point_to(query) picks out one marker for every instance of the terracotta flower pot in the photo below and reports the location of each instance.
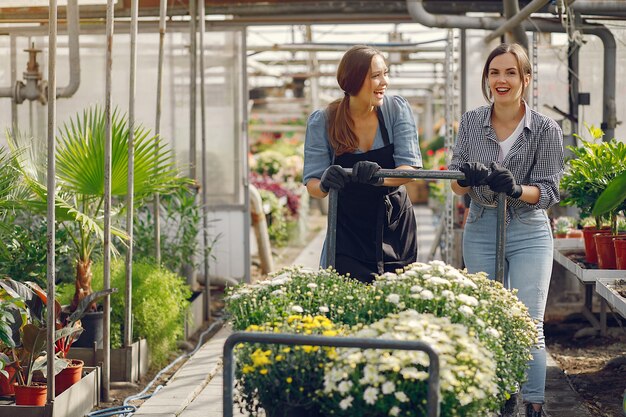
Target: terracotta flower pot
(619, 243)
(34, 394)
(591, 256)
(575, 234)
(68, 376)
(605, 250)
(6, 386)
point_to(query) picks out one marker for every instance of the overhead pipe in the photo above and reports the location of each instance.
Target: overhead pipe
(514, 20)
(420, 15)
(511, 10)
(35, 88)
(609, 112)
(598, 6)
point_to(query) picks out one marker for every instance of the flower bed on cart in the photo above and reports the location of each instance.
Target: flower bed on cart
(480, 330)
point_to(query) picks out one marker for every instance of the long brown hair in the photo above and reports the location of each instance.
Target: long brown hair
(523, 65)
(351, 74)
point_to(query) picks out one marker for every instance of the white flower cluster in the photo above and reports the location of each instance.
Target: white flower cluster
(364, 378)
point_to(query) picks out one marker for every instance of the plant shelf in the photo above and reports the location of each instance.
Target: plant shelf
(564, 247)
(127, 364)
(604, 288)
(76, 401)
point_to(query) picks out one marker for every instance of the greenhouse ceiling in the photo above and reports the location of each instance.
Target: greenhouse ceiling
(257, 11)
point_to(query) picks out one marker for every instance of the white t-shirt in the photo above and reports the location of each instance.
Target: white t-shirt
(507, 144)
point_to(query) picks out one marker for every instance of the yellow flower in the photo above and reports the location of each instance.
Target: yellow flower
(289, 380)
(247, 369)
(286, 349)
(260, 358)
(279, 358)
(263, 371)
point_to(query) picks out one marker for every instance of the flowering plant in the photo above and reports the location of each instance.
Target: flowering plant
(279, 377)
(492, 313)
(379, 382)
(297, 290)
(563, 224)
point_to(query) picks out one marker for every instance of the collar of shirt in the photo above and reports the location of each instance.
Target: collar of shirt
(489, 128)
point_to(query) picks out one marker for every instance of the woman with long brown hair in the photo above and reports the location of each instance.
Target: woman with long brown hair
(365, 130)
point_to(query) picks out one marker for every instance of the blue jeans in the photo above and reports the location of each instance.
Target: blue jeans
(528, 267)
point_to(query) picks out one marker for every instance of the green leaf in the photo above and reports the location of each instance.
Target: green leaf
(612, 196)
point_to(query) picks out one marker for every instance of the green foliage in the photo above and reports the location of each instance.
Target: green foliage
(159, 306)
(588, 174)
(290, 374)
(277, 226)
(181, 222)
(612, 197)
(23, 250)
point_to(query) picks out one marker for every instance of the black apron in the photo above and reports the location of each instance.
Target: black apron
(376, 228)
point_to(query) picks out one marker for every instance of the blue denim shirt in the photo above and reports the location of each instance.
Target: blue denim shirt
(400, 123)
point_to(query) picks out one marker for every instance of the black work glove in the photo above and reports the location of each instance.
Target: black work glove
(334, 177)
(501, 180)
(362, 173)
(475, 174)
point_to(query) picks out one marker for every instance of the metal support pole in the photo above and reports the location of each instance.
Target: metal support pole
(157, 127)
(448, 214)
(106, 336)
(501, 239)
(128, 294)
(432, 396)
(51, 192)
(205, 175)
(192, 89)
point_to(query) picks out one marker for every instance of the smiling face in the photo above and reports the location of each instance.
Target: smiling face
(506, 83)
(375, 84)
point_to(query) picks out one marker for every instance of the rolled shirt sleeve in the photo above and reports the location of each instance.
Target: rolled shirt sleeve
(549, 166)
(318, 154)
(400, 123)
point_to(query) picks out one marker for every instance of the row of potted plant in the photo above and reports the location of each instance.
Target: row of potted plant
(23, 341)
(597, 164)
(481, 331)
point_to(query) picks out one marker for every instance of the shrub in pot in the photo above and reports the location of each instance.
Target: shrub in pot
(613, 199)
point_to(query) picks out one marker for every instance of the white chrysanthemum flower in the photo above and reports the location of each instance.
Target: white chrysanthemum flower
(493, 332)
(297, 309)
(466, 310)
(401, 396)
(370, 395)
(393, 298)
(277, 292)
(346, 403)
(416, 288)
(323, 309)
(388, 387)
(344, 386)
(312, 285)
(427, 295)
(468, 299)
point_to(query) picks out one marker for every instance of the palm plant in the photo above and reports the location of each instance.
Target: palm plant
(80, 181)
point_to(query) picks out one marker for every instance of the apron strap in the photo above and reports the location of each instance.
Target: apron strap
(383, 128)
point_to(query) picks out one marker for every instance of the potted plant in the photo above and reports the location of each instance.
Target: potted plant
(562, 226)
(80, 184)
(7, 366)
(24, 330)
(595, 165)
(613, 198)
